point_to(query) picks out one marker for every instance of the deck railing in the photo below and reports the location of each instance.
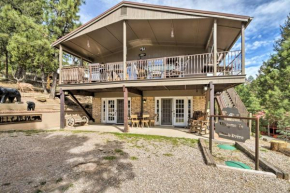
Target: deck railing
(228, 63)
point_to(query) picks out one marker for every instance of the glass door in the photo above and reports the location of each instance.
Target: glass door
(111, 112)
(179, 112)
(166, 112)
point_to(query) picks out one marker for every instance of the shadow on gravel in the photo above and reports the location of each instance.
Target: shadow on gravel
(53, 162)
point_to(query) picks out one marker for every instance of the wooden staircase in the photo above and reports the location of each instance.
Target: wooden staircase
(230, 98)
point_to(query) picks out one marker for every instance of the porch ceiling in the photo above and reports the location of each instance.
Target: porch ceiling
(187, 32)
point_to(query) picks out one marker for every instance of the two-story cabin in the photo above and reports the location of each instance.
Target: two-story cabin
(139, 58)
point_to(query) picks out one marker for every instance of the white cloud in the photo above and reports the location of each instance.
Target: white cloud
(84, 17)
(257, 44)
(252, 71)
(257, 60)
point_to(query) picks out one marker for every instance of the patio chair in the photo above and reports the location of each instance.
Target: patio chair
(135, 121)
(152, 120)
(145, 121)
(194, 126)
(203, 127)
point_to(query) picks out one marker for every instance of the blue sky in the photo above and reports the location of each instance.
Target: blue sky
(260, 34)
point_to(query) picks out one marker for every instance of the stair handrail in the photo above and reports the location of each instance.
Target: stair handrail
(237, 101)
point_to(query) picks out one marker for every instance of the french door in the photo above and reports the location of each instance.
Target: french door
(111, 111)
(173, 110)
(179, 112)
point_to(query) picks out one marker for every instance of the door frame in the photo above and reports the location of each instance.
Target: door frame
(159, 114)
(104, 112)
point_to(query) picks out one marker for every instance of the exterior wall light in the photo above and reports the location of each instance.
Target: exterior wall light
(205, 88)
(144, 101)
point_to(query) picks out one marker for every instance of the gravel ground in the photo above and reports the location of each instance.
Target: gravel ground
(95, 162)
(221, 155)
(276, 158)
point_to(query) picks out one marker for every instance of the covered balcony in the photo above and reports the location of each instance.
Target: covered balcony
(135, 42)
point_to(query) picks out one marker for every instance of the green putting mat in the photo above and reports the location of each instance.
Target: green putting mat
(237, 164)
(226, 147)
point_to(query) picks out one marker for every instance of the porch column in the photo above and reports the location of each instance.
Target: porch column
(126, 127)
(211, 121)
(243, 48)
(61, 93)
(60, 64)
(214, 47)
(124, 50)
(81, 61)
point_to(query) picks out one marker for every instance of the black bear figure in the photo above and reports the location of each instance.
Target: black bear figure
(9, 93)
(30, 106)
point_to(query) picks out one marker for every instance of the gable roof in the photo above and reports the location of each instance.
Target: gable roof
(169, 9)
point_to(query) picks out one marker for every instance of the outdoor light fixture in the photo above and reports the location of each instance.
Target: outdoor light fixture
(88, 44)
(205, 88)
(142, 49)
(144, 101)
(172, 32)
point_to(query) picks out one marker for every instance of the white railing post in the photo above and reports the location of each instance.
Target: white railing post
(60, 63)
(124, 50)
(243, 48)
(214, 47)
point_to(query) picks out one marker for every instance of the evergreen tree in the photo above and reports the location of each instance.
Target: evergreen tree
(273, 88)
(61, 17)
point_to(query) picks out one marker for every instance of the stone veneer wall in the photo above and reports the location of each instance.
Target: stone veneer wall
(135, 105)
(149, 106)
(198, 103)
(97, 108)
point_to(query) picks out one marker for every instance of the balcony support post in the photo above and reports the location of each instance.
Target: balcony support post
(124, 50)
(243, 48)
(215, 47)
(211, 119)
(126, 127)
(62, 116)
(60, 63)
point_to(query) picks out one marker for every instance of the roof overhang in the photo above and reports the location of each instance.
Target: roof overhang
(105, 31)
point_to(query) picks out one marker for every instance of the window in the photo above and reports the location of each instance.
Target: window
(104, 111)
(129, 108)
(157, 110)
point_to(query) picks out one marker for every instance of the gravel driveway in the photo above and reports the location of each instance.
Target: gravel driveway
(97, 162)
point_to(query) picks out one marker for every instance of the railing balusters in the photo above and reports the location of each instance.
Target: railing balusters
(229, 63)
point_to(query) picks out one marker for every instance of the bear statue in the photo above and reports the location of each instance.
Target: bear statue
(30, 106)
(10, 94)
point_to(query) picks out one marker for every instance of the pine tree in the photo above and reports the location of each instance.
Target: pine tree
(61, 17)
(273, 88)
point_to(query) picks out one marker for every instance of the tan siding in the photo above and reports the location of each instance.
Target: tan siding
(153, 52)
(135, 13)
